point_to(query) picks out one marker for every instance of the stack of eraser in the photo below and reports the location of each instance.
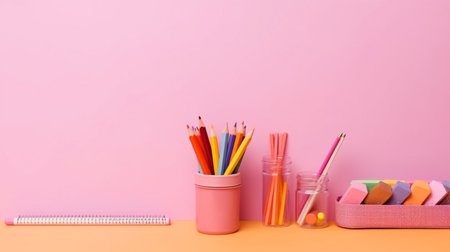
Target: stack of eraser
(397, 192)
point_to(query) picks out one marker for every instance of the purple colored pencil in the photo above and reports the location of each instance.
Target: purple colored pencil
(230, 145)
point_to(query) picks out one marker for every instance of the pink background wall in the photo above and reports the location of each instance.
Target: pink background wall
(95, 95)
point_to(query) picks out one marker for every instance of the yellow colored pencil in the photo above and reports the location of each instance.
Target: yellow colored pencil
(214, 149)
(239, 153)
(283, 203)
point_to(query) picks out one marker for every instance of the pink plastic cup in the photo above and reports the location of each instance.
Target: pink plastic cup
(217, 206)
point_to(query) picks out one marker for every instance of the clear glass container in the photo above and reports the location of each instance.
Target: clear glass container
(276, 201)
(311, 208)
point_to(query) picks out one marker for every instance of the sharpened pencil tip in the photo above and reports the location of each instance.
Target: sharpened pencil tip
(187, 126)
(242, 122)
(235, 124)
(199, 118)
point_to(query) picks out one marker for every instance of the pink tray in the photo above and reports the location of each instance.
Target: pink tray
(392, 216)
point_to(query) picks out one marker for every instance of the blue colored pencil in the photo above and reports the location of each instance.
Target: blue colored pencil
(200, 169)
(231, 139)
(223, 152)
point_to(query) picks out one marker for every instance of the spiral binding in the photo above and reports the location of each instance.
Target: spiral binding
(91, 220)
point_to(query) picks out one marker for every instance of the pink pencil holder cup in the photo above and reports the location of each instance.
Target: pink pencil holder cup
(217, 203)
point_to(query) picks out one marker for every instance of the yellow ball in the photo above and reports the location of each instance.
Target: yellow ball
(320, 216)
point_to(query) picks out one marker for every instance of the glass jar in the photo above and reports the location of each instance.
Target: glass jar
(311, 208)
(276, 181)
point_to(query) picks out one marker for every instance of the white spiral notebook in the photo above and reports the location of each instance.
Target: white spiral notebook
(88, 220)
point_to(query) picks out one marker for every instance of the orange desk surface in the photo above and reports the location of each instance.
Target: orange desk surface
(253, 236)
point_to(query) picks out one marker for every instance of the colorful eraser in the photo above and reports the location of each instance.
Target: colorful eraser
(369, 183)
(392, 182)
(400, 192)
(420, 190)
(355, 193)
(438, 193)
(379, 194)
(9, 222)
(446, 200)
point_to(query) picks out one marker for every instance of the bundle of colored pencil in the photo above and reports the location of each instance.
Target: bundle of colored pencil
(308, 202)
(213, 161)
(275, 203)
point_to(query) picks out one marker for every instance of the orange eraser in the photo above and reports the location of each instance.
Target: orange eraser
(392, 182)
(420, 190)
(380, 193)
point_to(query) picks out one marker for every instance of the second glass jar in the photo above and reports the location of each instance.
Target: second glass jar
(276, 181)
(311, 207)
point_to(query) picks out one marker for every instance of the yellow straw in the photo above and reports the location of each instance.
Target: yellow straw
(283, 202)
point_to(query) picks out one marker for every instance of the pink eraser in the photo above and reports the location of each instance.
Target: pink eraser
(9, 222)
(438, 193)
(355, 194)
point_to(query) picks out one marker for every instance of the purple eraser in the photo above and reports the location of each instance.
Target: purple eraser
(446, 200)
(400, 192)
(355, 194)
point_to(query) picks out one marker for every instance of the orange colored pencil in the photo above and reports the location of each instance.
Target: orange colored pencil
(238, 140)
(198, 151)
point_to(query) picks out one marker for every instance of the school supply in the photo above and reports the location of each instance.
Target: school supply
(369, 183)
(214, 150)
(240, 161)
(238, 139)
(239, 153)
(400, 192)
(217, 203)
(397, 213)
(446, 200)
(223, 151)
(196, 144)
(205, 144)
(211, 159)
(438, 193)
(322, 174)
(88, 220)
(420, 191)
(230, 145)
(275, 200)
(307, 187)
(355, 194)
(379, 194)
(392, 216)
(392, 182)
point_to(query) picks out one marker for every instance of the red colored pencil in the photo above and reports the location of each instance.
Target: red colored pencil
(198, 151)
(205, 143)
